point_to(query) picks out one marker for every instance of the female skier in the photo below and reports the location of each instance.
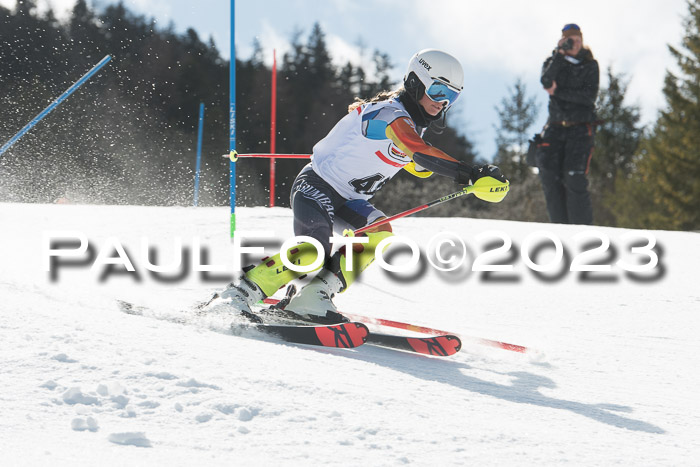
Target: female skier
(365, 149)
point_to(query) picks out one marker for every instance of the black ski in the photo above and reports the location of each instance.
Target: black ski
(439, 346)
(341, 335)
(331, 331)
(344, 335)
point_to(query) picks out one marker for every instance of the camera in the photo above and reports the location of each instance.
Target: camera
(567, 45)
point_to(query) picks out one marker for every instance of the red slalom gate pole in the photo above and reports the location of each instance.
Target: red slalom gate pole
(273, 126)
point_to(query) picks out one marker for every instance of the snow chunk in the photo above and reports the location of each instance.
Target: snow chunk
(162, 375)
(226, 409)
(61, 357)
(74, 396)
(50, 384)
(110, 389)
(149, 404)
(79, 424)
(130, 439)
(246, 415)
(119, 401)
(203, 417)
(129, 412)
(193, 383)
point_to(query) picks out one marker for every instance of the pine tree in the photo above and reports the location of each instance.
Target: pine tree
(84, 33)
(665, 190)
(517, 113)
(382, 81)
(616, 142)
(129, 135)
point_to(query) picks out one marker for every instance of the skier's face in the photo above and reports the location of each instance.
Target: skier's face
(431, 107)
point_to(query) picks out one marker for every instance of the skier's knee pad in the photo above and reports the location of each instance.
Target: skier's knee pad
(272, 274)
(363, 255)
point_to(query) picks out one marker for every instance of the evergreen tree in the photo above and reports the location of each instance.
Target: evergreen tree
(129, 134)
(517, 113)
(664, 192)
(616, 142)
(84, 33)
(26, 7)
(382, 81)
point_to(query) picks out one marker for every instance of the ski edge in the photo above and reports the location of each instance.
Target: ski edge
(444, 345)
(342, 335)
(425, 330)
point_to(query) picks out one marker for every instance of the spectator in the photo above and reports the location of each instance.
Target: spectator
(570, 76)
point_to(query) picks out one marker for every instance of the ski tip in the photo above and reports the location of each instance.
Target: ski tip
(503, 345)
(363, 330)
(457, 343)
(439, 346)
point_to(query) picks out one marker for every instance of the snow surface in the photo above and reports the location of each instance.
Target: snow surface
(611, 376)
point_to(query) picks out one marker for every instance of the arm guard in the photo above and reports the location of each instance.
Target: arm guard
(403, 134)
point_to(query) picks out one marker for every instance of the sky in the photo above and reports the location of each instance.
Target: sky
(497, 41)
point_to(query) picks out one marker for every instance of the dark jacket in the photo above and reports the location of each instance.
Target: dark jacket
(577, 87)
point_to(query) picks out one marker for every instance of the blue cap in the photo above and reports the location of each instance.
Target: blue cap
(571, 29)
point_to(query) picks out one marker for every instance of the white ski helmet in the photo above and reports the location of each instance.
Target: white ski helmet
(440, 74)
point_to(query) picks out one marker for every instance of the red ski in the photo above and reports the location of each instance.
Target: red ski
(438, 346)
(342, 335)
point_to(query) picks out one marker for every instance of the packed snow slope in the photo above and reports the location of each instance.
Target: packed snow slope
(611, 376)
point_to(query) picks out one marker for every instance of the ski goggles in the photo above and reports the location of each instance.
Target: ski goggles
(570, 27)
(442, 92)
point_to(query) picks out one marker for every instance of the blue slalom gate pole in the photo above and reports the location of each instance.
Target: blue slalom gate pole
(199, 154)
(233, 156)
(54, 104)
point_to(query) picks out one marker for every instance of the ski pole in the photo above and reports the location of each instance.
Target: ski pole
(55, 103)
(486, 188)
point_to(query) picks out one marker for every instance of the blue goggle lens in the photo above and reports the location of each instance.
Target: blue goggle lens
(442, 92)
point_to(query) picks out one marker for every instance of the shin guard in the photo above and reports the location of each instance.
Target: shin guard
(272, 274)
(362, 257)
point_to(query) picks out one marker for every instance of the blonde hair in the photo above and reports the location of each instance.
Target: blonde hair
(381, 96)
